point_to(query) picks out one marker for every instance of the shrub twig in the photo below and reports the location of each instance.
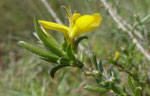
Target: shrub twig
(122, 24)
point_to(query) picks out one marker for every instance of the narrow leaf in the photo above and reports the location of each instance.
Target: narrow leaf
(94, 61)
(95, 89)
(64, 46)
(111, 71)
(37, 37)
(77, 41)
(115, 88)
(70, 53)
(49, 42)
(132, 46)
(38, 51)
(145, 18)
(63, 60)
(56, 68)
(130, 83)
(100, 67)
(48, 60)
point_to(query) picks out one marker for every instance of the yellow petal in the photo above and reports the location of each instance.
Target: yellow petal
(54, 26)
(75, 16)
(85, 23)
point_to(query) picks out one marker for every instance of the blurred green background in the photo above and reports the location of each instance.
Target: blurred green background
(24, 74)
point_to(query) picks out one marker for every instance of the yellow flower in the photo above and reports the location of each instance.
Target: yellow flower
(78, 24)
(117, 55)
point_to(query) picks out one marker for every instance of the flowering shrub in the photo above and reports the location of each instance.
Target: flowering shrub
(67, 54)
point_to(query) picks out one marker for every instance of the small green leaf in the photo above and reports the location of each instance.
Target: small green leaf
(132, 47)
(70, 53)
(95, 89)
(56, 68)
(78, 40)
(138, 91)
(44, 55)
(130, 83)
(94, 61)
(63, 60)
(64, 46)
(111, 71)
(49, 42)
(145, 18)
(100, 67)
(48, 60)
(115, 89)
(97, 81)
